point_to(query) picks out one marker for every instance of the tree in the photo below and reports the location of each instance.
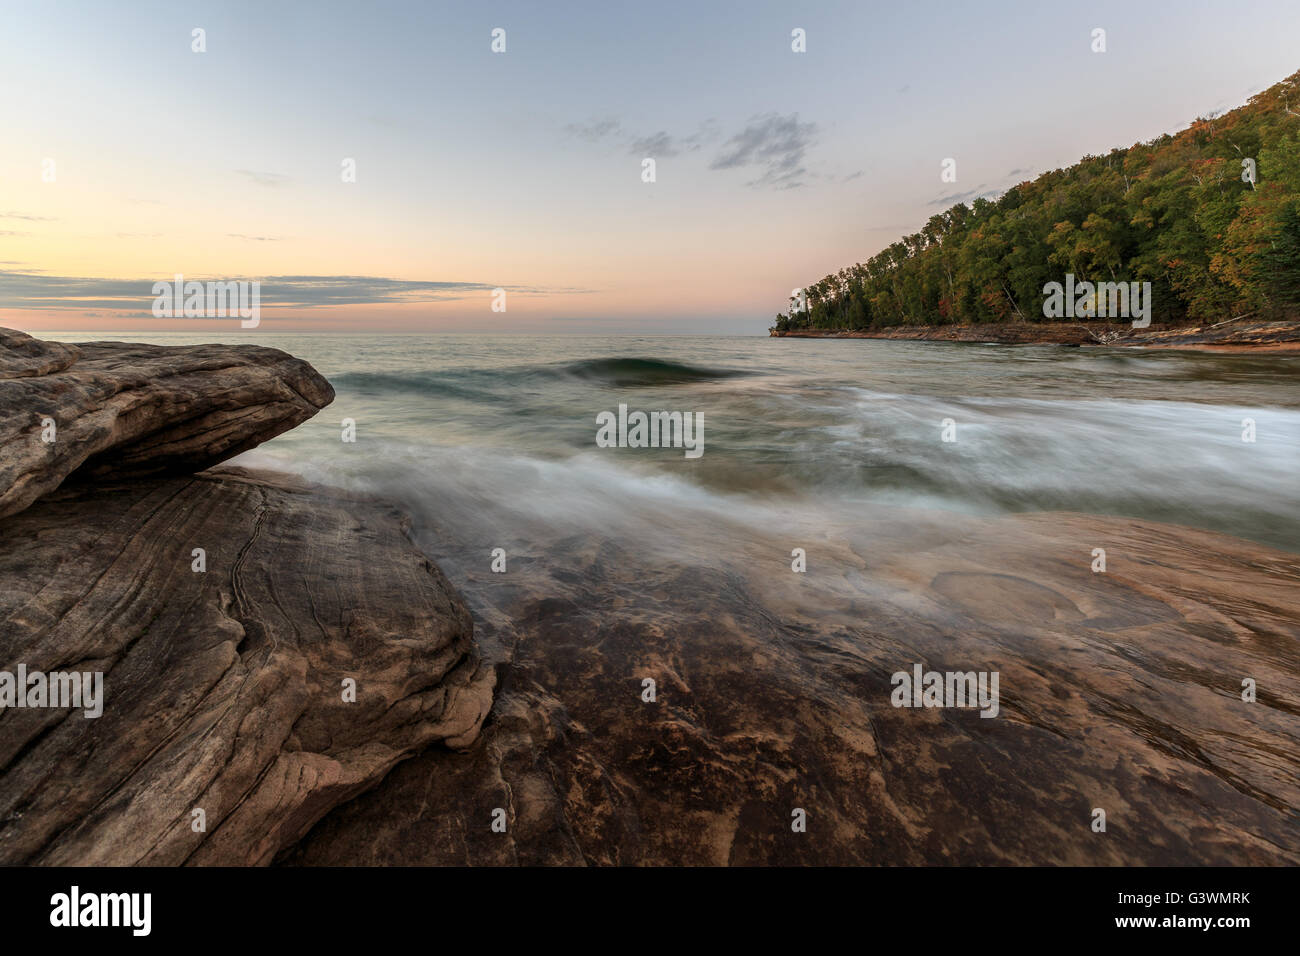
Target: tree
(1177, 211)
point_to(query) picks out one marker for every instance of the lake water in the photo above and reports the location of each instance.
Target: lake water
(496, 433)
(628, 565)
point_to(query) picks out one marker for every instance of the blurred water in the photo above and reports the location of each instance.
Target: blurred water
(498, 431)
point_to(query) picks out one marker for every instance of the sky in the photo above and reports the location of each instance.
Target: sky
(127, 157)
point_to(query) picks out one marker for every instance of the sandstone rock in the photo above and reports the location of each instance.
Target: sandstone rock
(1228, 336)
(1120, 691)
(21, 355)
(223, 689)
(123, 409)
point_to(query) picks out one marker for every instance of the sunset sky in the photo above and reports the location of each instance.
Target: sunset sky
(523, 169)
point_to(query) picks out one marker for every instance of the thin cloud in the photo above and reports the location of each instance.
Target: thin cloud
(773, 144)
(664, 144)
(594, 131)
(658, 144)
(29, 290)
(952, 199)
(25, 218)
(273, 180)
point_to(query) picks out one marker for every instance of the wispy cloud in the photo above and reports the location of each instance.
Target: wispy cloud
(659, 144)
(771, 145)
(273, 180)
(26, 218)
(979, 192)
(664, 144)
(774, 144)
(29, 290)
(595, 130)
(238, 235)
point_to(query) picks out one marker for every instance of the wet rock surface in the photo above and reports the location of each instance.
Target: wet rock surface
(267, 649)
(223, 689)
(1118, 690)
(1226, 336)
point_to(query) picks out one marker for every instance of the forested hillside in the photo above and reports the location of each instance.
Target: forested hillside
(1180, 212)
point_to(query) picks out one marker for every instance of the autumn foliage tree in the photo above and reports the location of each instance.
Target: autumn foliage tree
(1209, 216)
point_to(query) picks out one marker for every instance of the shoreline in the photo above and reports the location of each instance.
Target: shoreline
(1231, 337)
(619, 773)
(360, 705)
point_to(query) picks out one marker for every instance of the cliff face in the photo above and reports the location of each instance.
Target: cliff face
(247, 689)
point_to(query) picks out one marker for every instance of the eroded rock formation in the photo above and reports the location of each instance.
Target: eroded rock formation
(1120, 691)
(224, 689)
(268, 649)
(1226, 336)
(121, 409)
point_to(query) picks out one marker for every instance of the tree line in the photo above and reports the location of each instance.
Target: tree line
(1210, 216)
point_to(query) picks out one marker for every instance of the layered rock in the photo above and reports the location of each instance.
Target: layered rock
(267, 649)
(1120, 690)
(119, 409)
(1224, 336)
(224, 689)
(22, 356)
